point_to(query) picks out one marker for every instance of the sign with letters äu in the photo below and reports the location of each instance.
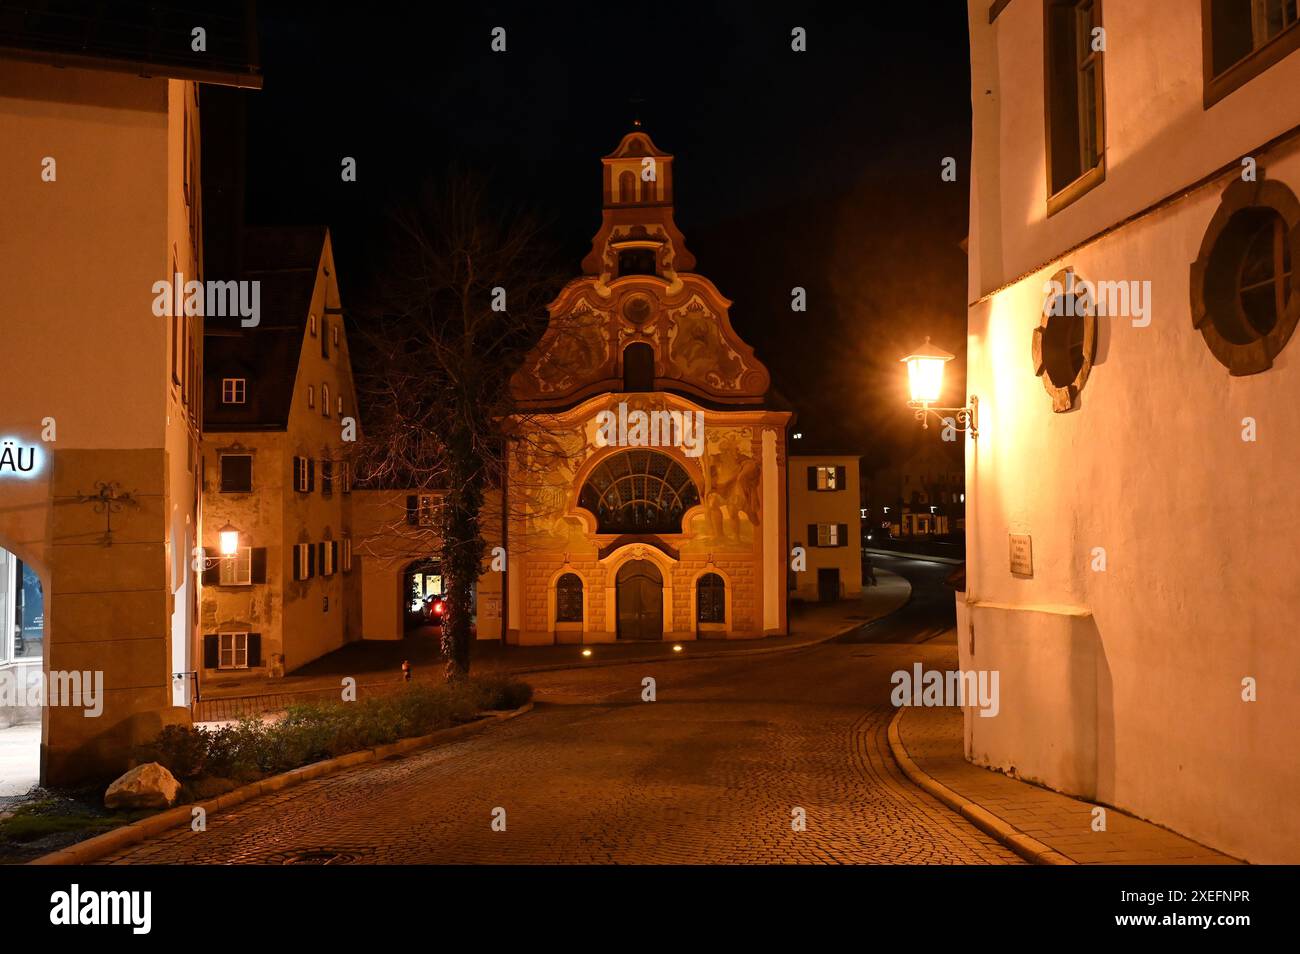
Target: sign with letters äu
(19, 459)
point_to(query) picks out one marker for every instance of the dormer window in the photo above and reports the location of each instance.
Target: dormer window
(636, 261)
(233, 390)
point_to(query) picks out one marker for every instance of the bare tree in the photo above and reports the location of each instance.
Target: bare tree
(463, 299)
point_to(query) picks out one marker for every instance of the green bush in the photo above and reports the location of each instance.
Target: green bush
(310, 732)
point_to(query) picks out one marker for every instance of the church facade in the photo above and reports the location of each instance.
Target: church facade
(646, 495)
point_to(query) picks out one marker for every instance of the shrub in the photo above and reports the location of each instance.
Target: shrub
(310, 732)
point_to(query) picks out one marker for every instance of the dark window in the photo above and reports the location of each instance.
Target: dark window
(236, 473)
(638, 367)
(711, 599)
(1242, 38)
(636, 261)
(324, 339)
(568, 599)
(627, 187)
(1075, 127)
(639, 492)
(1244, 282)
(327, 477)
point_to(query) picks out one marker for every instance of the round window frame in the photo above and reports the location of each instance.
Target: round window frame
(1065, 397)
(1254, 356)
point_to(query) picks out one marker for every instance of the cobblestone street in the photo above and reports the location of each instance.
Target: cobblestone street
(709, 773)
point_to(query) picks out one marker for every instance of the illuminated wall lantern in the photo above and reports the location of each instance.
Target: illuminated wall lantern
(229, 537)
(925, 381)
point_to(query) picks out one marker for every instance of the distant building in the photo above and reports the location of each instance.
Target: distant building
(279, 407)
(646, 495)
(100, 396)
(825, 520)
(925, 496)
(1134, 289)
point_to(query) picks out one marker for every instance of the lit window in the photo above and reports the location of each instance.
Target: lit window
(234, 651)
(233, 390)
(238, 569)
(828, 478)
(828, 535)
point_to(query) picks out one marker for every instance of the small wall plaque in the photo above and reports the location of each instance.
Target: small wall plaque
(1022, 554)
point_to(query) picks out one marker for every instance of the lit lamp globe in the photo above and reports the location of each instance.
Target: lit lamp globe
(229, 537)
(925, 372)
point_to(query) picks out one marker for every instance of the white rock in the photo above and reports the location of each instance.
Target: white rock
(145, 786)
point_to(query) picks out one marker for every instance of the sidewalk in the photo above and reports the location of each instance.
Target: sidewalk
(1040, 824)
(376, 664)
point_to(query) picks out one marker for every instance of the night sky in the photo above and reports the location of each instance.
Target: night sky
(818, 169)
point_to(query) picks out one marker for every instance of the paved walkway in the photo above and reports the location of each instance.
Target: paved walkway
(20, 759)
(376, 664)
(714, 771)
(933, 738)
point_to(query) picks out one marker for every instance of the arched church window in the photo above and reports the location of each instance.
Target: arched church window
(638, 367)
(711, 599)
(639, 492)
(568, 599)
(627, 187)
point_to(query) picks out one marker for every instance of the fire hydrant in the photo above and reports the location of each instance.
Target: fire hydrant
(406, 669)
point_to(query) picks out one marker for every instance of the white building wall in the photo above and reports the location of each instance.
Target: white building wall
(1124, 685)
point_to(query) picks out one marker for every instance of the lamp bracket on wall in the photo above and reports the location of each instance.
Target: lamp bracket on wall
(964, 419)
(108, 500)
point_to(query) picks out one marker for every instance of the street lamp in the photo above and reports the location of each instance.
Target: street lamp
(228, 546)
(925, 379)
(229, 537)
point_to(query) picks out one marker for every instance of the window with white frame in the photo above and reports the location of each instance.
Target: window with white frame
(312, 325)
(826, 479)
(828, 535)
(233, 651)
(237, 570)
(325, 400)
(311, 395)
(233, 390)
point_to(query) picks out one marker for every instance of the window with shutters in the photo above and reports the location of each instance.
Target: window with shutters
(304, 561)
(237, 570)
(234, 651)
(236, 473)
(828, 535)
(329, 555)
(711, 599)
(304, 475)
(568, 599)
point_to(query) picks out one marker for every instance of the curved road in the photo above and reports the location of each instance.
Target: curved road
(714, 771)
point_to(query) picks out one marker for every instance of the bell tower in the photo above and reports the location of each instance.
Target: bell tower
(637, 234)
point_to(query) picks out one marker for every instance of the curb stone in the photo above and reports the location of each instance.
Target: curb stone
(92, 849)
(1027, 847)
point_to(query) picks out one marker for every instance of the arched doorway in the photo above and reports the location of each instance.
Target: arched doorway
(421, 584)
(640, 597)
